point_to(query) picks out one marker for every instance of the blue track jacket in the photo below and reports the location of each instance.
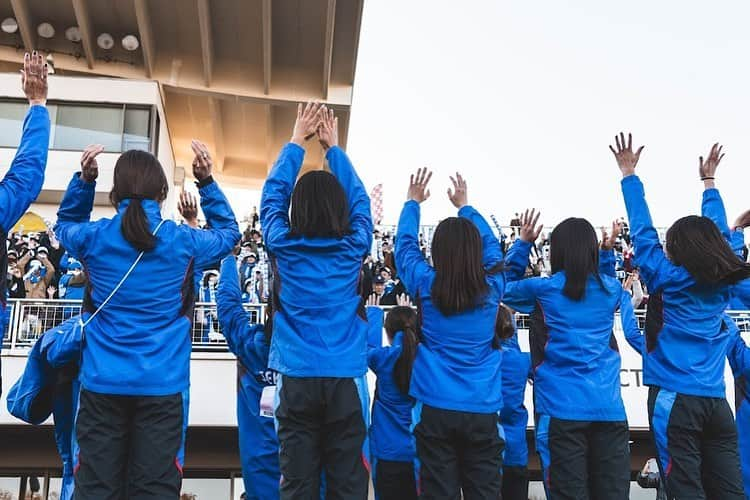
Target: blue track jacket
(576, 356)
(686, 341)
(314, 336)
(390, 435)
(20, 187)
(514, 416)
(739, 360)
(259, 447)
(139, 344)
(456, 366)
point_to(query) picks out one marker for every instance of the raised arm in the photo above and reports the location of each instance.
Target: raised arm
(24, 179)
(410, 262)
(211, 245)
(633, 334)
(374, 324)
(517, 258)
(648, 250)
(607, 260)
(360, 215)
(712, 206)
(522, 295)
(73, 228)
(233, 318)
(738, 354)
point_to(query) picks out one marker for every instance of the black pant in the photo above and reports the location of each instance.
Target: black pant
(395, 480)
(458, 451)
(128, 447)
(515, 483)
(584, 460)
(696, 440)
(321, 426)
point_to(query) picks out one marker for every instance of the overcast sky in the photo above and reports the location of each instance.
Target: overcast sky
(524, 97)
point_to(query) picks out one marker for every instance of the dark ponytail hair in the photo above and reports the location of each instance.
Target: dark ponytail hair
(574, 249)
(319, 207)
(403, 319)
(460, 278)
(138, 176)
(504, 325)
(696, 244)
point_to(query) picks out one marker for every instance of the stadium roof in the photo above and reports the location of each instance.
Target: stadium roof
(230, 71)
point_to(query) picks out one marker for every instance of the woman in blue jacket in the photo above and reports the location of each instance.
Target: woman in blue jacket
(135, 368)
(581, 426)
(456, 380)
(514, 415)
(689, 284)
(23, 181)
(259, 447)
(319, 346)
(392, 447)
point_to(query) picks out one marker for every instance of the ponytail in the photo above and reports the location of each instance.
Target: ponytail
(135, 227)
(403, 319)
(504, 326)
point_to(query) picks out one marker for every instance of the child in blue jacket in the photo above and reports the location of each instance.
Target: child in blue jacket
(135, 372)
(23, 181)
(256, 384)
(690, 286)
(392, 446)
(514, 416)
(318, 346)
(456, 380)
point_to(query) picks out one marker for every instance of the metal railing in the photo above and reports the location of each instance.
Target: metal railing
(28, 319)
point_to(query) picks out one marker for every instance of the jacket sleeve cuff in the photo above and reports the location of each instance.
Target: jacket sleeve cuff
(205, 182)
(82, 184)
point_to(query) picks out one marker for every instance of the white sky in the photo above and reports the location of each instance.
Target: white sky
(524, 97)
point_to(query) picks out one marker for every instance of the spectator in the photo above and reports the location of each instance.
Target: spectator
(254, 218)
(515, 223)
(40, 275)
(248, 266)
(378, 290)
(250, 295)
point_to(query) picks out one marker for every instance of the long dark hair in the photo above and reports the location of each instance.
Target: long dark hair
(460, 279)
(696, 244)
(138, 176)
(403, 319)
(574, 249)
(504, 325)
(319, 207)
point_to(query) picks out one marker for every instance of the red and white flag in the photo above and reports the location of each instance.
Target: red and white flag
(376, 204)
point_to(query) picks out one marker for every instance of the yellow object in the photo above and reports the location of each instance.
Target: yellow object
(30, 223)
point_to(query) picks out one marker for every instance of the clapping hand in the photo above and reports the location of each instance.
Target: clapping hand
(307, 123)
(328, 129)
(202, 163)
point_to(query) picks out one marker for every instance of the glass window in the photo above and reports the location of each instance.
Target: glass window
(77, 126)
(137, 125)
(205, 489)
(11, 122)
(10, 487)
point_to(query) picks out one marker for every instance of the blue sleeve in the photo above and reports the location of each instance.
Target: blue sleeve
(741, 295)
(712, 206)
(212, 245)
(360, 216)
(738, 353)
(492, 252)
(73, 228)
(517, 260)
(277, 194)
(233, 318)
(522, 295)
(633, 334)
(737, 242)
(23, 182)
(648, 252)
(374, 327)
(607, 263)
(411, 264)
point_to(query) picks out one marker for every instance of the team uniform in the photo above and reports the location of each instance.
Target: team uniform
(323, 403)
(456, 379)
(686, 342)
(136, 355)
(392, 447)
(581, 425)
(20, 187)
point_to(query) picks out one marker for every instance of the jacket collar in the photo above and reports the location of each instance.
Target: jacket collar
(150, 207)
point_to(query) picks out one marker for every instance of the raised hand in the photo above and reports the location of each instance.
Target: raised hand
(34, 78)
(403, 300)
(308, 119)
(89, 165)
(372, 300)
(202, 163)
(530, 231)
(328, 129)
(707, 168)
(743, 220)
(188, 208)
(458, 195)
(626, 159)
(609, 239)
(418, 186)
